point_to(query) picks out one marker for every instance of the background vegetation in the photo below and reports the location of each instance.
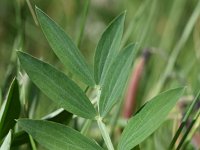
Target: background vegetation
(168, 29)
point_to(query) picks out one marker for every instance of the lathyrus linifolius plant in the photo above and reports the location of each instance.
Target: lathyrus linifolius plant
(111, 71)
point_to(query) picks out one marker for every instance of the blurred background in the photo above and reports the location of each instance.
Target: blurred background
(168, 30)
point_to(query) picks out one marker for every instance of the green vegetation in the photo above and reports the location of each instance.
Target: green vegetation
(88, 75)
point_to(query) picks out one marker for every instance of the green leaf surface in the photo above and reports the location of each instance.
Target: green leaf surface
(116, 79)
(64, 48)
(57, 86)
(54, 136)
(10, 110)
(145, 122)
(7, 142)
(108, 48)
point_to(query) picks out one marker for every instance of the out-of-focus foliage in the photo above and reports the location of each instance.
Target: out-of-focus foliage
(156, 25)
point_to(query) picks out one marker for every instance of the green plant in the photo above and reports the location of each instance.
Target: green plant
(111, 71)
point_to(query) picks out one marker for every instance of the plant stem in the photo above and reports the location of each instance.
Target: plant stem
(32, 12)
(105, 134)
(184, 121)
(169, 31)
(134, 22)
(82, 24)
(86, 126)
(186, 134)
(33, 145)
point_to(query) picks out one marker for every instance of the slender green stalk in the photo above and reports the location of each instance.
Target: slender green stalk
(115, 118)
(83, 21)
(196, 125)
(193, 130)
(33, 145)
(169, 31)
(32, 12)
(176, 135)
(1, 100)
(185, 135)
(133, 23)
(148, 23)
(86, 126)
(183, 122)
(172, 59)
(189, 111)
(105, 134)
(188, 130)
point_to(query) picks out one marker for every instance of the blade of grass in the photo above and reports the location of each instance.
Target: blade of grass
(32, 12)
(83, 22)
(184, 120)
(145, 31)
(188, 130)
(177, 49)
(134, 21)
(193, 131)
(170, 29)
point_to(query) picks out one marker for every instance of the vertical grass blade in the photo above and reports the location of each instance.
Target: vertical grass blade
(108, 48)
(10, 109)
(183, 122)
(64, 48)
(148, 119)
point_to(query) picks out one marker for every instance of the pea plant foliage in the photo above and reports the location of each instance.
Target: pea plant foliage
(111, 70)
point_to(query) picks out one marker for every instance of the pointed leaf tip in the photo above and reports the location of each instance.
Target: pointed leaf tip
(115, 79)
(64, 48)
(108, 48)
(59, 136)
(57, 86)
(148, 119)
